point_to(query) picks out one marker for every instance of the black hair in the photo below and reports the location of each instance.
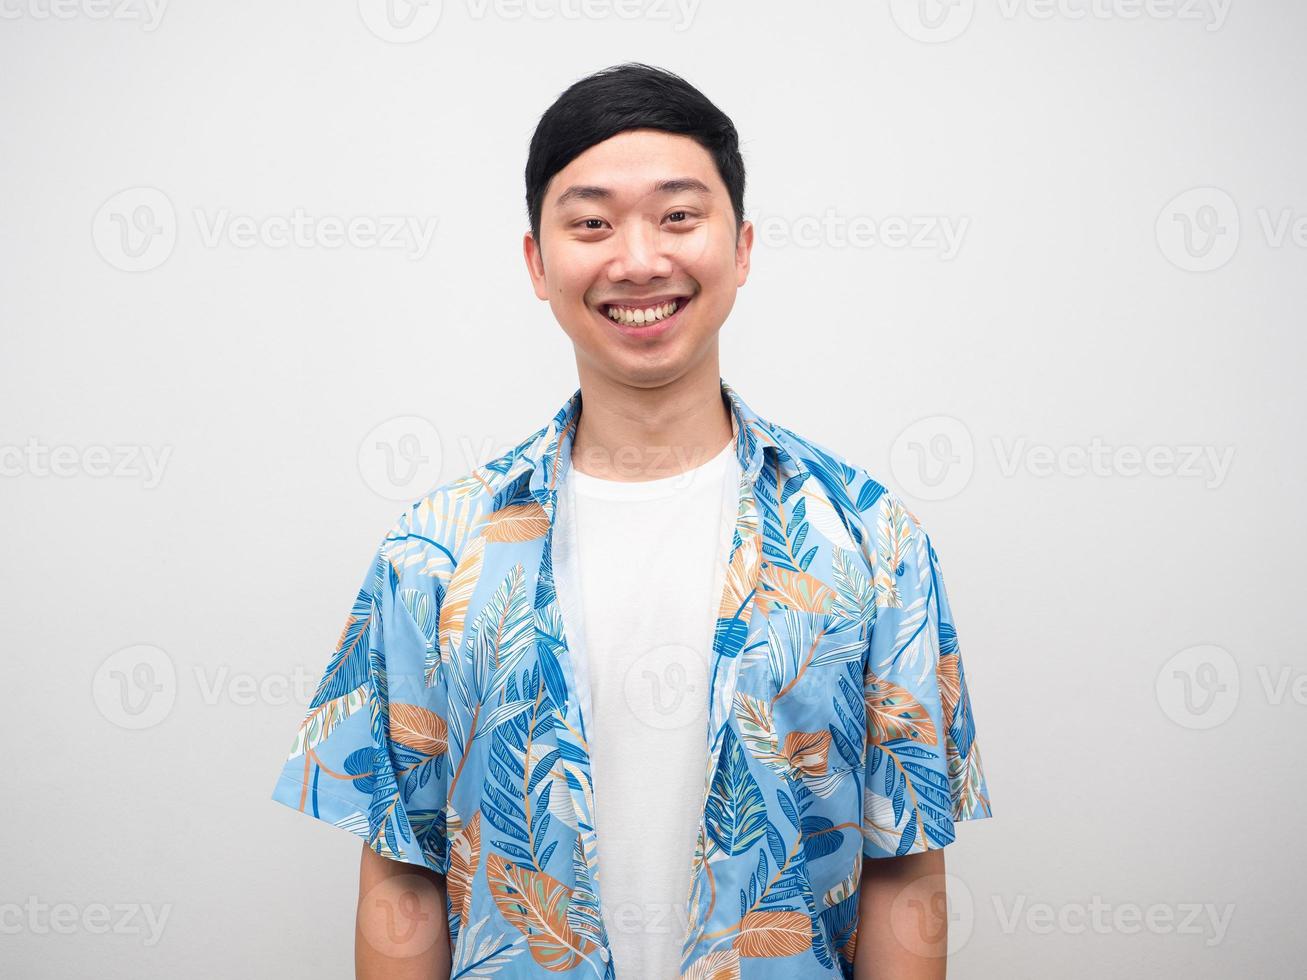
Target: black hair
(620, 98)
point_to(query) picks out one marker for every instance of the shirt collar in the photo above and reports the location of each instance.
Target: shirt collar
(548, 455)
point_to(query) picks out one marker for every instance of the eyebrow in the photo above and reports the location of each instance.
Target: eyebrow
(592, 192)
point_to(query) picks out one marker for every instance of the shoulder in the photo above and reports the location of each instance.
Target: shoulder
(850, 486)
(881, 515)
(425, 541)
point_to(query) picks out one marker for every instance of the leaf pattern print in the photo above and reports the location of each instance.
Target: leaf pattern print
(464, 858)
(796, 589)
(893, 713)
(773, 933)
(736, 814)
(807, 752)
(536, 905)
(447, 728)
(453, 613)
(893, 536)
(419, 729)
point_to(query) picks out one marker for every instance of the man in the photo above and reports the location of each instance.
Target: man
(668, 689)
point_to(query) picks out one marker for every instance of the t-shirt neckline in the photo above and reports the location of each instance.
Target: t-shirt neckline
(588, 485)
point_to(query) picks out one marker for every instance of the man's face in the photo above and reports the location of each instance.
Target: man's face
(640, 222)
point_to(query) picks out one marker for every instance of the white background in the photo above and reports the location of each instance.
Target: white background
(1073, 312)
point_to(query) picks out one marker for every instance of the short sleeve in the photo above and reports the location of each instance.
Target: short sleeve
(923, 770)
(371, 755)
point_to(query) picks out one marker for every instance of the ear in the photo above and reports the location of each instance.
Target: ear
(535, 265)
(743, 253)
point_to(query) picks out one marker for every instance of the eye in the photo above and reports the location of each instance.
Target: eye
(685, 216)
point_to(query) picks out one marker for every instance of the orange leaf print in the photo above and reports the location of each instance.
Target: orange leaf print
(419, 729)
(774, 933)
(796, 589)
(967, 780)
(850, 947)
(536, 905)
(462, 586)
(807, 751)
(464, 856)
(741, 576)
(518, 522)
(950, 685)
(892, 712)
(720, 964)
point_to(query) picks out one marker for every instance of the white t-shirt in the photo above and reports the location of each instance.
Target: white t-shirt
(639, 569)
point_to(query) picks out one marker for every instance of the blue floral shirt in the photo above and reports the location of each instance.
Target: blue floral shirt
(447, 729)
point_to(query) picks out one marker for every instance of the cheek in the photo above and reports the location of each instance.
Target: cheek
(716, 265)
(569, 285)
(564, 293)
(562, 269)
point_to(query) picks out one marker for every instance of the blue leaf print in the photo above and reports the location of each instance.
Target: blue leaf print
(736, 815)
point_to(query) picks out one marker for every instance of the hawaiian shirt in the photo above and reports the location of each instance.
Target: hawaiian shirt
(447, 730)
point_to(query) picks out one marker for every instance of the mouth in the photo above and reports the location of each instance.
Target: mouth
(645, 319)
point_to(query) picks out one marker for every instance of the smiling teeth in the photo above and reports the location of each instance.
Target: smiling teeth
(638, 317)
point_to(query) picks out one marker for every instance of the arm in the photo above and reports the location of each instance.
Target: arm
(902, 918)
(401, 932)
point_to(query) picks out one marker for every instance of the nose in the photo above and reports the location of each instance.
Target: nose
(642, 253)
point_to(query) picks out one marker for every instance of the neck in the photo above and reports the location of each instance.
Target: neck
(630, 433)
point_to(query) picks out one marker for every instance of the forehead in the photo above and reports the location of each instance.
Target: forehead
(630, 166)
